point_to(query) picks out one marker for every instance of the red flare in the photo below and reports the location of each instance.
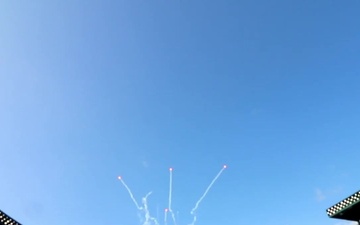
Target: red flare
(166, 210)
(225, 166)
(171, 169)
(119, 177)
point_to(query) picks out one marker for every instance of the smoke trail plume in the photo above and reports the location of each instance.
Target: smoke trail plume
(130, 193)
(204, 195)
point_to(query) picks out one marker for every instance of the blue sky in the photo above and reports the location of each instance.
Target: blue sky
(90, 90)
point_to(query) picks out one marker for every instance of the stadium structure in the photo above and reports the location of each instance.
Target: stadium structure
(347, 209)
(7, 220)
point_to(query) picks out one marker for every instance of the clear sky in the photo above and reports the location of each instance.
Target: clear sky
(90, 90)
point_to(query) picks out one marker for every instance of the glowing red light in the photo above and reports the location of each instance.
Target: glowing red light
(119, 177)
(171, 169)
(166, 210)
(225, 166)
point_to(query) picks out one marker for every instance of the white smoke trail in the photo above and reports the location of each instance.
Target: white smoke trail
(165, 216)
(148, 217)
(130, 193)
(170, 197)
(194, 220)
(149, 220)
(204, 195)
